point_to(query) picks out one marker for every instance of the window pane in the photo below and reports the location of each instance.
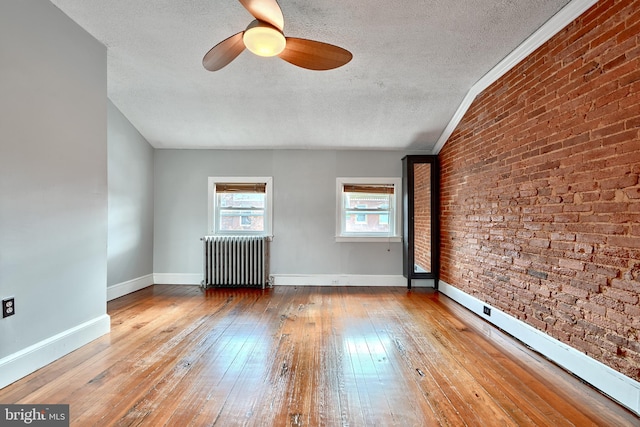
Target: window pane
(370, 222)
(367, 201)
(241, 211)
(367, 213)
(241, 220)
(241, 200)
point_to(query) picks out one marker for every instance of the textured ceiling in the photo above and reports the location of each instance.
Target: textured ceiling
(413, 62)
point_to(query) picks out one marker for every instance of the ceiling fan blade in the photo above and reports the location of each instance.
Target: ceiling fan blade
(224, 52)
(265, 10)
(314, 55)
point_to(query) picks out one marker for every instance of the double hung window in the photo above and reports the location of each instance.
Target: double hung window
(368, 209)
(240, 206)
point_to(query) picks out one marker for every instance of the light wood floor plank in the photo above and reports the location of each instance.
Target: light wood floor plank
(309, 356)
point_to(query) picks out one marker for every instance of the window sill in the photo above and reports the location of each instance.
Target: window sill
(365, 239)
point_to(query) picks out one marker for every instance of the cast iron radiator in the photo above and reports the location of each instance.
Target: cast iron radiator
(234, 261)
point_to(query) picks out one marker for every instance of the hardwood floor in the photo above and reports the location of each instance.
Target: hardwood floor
(308, 356)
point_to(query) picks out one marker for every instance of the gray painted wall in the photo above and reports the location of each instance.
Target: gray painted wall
(53, 173)
(304, 213)
(130, 165)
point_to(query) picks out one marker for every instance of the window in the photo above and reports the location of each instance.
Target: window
(240, 205)
(368, 209)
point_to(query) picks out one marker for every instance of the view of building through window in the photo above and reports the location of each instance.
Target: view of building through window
(241, 211)
(367, 212)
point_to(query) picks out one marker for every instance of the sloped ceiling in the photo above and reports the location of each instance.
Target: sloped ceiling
(413, 63)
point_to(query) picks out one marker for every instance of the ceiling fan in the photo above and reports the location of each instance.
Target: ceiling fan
(264, 37)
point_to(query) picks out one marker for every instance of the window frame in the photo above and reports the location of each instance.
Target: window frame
(213, 209)
(394, 212)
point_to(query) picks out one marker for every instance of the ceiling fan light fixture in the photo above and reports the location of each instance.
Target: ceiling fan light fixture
(263, 39)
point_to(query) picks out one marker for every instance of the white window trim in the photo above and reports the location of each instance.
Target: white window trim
(268, 221)
(397, 232)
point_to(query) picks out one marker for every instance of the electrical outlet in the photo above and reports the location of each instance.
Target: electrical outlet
(8, 307)
(486, 310)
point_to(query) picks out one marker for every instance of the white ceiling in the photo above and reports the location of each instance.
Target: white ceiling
(413, 63)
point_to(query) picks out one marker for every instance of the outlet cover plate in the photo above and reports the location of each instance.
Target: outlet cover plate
(8, 307)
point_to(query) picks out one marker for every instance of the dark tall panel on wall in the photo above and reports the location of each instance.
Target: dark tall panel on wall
(420, 204)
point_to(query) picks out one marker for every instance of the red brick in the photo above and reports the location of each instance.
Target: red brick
(623, 241)
(631, 159)
(571, 264)
(627, 285)
(541, 181)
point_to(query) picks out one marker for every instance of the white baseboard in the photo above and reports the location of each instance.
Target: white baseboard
(621, 388)
(34, 357)
(177, 278)
(345, 280)
(124, 288)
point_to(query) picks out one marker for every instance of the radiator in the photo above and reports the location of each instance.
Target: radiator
(232, 261)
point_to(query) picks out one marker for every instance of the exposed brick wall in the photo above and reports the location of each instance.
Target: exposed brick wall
(540, 190)
(422, 214)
